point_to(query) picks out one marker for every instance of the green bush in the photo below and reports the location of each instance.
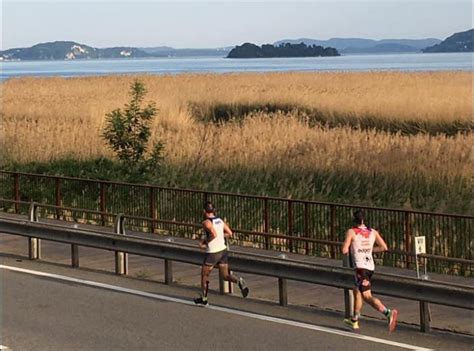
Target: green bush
(127, 132)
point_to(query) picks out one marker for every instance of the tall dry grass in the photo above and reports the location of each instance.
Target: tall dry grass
(279, 155)
(272, 153)
(51, 117)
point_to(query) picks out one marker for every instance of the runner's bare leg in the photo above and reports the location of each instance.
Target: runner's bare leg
(224, 270)
(373, 301)
(357, 302)
(206, 270)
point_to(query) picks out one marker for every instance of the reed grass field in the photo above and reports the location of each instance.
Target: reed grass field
(384, 139)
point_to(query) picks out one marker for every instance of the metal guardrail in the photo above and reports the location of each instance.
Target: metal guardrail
(195, 229)
(424, 291)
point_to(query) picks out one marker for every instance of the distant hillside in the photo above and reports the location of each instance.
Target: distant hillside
(458, 42)
(385, 48)
(172, 52)
(249, 50)
(69, 50)
(369, 46)
(50, 51)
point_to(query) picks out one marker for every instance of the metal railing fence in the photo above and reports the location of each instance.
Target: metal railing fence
(304, 227)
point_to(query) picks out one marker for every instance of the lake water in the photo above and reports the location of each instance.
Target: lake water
(398, 62)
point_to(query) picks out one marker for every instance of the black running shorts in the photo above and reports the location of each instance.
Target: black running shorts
(362, 279)
(214, 258)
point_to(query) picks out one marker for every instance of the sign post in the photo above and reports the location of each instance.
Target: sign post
(425, 314)
(420, 248)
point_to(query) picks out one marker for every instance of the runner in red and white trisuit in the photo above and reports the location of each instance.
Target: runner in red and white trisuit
(359, 245)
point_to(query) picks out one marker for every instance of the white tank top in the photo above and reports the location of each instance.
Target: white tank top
(218, 243)
(361, 248)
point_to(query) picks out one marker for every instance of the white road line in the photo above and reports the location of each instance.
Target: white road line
(3, 347)
(216, 308)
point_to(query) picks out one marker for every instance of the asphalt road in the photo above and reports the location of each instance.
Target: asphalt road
(67, 310)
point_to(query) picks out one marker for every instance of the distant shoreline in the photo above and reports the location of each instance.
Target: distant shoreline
(125, 59)
(208, 65)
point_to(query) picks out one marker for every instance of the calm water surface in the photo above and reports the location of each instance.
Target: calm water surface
(398, 62)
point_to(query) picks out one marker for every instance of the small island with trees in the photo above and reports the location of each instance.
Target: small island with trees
(249, 50)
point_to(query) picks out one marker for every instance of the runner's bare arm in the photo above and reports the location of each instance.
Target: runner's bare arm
(347, 242)
(210, 229)
(380, 245)
(227, 231)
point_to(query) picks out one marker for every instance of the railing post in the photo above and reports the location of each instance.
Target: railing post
(283, 291)
(333, 230)
(266, 226)
(121, 258)
(58, 197)
(102, 204)
(290, 224)
(407, 238)
(16, 191)
(152, 213)
(306, 226)
(34, 244)
(348, 294)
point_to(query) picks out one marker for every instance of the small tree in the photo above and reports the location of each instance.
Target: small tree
(127, 132)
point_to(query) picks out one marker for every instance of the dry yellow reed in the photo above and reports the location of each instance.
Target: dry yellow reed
(45, 119)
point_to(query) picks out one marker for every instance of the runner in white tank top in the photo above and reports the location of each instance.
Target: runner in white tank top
(218, 243)
(359, 242)
(216, 232)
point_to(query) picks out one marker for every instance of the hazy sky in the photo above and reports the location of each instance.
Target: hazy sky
(224, 22)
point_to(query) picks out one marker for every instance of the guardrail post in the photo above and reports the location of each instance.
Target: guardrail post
(425, 317)
(230, 285)
(225, 287)
(168, 272)
(425, 313)
(121, 258)
(34, 244)
(168, 267)
(74, 256)
(283, 291)
(348, 294)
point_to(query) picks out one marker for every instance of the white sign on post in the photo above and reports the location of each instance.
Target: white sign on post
(420, 245)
